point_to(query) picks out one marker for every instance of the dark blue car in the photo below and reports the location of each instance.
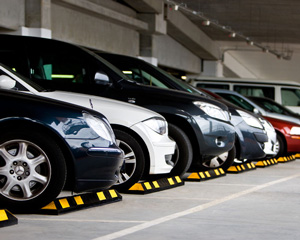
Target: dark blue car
(46, 145)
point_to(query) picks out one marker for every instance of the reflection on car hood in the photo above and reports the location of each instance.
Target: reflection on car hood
(117, 112)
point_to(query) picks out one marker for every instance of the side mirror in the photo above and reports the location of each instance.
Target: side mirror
(101, 79)
(6, 82)
(256, 111)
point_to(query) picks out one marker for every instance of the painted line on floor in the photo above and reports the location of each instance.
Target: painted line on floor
(199, 208)
(79, 220)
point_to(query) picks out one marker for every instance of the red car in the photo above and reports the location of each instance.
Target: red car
(288, 135)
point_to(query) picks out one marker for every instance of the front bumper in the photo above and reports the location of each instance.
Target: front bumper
(95, 168)
(252, 141)
(160, 148)
(217, 136)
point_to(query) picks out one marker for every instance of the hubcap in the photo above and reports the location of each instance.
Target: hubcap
(25, 170)
(217, 161)
(129, 165)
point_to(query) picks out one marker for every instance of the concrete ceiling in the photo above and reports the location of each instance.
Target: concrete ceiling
(270, 24)
(274, 24)
(273, 21)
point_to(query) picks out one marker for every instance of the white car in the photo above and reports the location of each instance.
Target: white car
(141, 133)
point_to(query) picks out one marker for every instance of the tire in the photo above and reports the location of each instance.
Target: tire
(279, 147)
(32, 169)
(224, 161)
(183, 156)
(134, 163)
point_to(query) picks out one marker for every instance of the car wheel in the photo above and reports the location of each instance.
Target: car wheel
(279, 147)
(134, 160)
(32, 169)
(183, 155)
(223, 161)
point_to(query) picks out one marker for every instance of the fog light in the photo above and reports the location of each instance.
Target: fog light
(168, 159)
(219, 142)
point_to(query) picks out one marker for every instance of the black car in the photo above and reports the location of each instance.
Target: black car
(250, 139)
(201, 127)
(46, 145)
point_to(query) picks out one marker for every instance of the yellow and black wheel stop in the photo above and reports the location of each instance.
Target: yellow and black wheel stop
(206, 175)
(266, 163)
(297, 155)
(241, 168)
(7, 219)
(155, 186)
(286, 159)
(73, 203)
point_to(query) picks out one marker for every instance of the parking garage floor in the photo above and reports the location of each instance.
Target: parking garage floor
(257, 204)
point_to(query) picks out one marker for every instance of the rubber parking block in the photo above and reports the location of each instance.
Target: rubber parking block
(206, 175)
(7, 219)
(241, 168)
(266, 163)
(286, 159)
(155, 186)
(73, 203)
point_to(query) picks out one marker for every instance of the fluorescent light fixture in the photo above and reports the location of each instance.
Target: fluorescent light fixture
(62, 76)
(127, 72)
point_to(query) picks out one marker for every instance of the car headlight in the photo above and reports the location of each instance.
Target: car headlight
(100, 126)
(213, 110)
(266, 124)
(295, 131)
(157, 124)
(250, 120)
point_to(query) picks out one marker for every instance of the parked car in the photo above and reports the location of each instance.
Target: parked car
(287, 131)
(41, 150)
(200, 127)
(286, 93)
(257, 132)
(142, 134)
(250, 134)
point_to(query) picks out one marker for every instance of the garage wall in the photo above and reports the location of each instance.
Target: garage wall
(87, 30)
(172, 54)
(12, 14)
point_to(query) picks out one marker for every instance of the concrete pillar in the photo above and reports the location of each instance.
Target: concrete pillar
(212, 68)
(37, 18)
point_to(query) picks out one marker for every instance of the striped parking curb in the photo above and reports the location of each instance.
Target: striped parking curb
(7, 219)
(202, 176)
(266, 163)
(286, 159)
(73, 203)
(155, 186)
(241, 168)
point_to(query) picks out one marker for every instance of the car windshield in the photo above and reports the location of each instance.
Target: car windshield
(26, 80)
(271, 106)
(237, 100)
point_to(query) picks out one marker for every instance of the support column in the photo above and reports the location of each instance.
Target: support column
(37, 18)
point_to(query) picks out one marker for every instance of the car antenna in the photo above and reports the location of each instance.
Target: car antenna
(91, 104)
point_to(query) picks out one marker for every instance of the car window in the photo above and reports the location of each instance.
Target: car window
(237, 101)
(290, 96)
(143, 77)
(211, 85)
(62, 68)
(271, 106)
(255, 91)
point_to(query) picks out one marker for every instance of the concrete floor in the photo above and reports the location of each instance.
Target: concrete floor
(257, 204)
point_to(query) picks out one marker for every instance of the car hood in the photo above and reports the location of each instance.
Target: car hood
(116, 112)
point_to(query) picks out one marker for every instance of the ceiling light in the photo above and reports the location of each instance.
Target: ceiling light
(176, 7)
(232, 34)
(206, 23)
